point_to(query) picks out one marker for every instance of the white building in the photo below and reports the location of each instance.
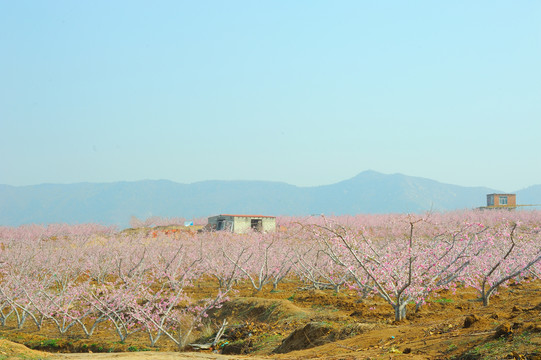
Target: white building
(242, 223)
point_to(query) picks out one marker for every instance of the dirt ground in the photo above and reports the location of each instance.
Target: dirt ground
(307, 324)
(151, 356)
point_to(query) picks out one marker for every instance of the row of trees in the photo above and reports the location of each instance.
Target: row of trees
(87, 275)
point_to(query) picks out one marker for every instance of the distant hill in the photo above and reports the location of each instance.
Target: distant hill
(115, 203)
(530, 196)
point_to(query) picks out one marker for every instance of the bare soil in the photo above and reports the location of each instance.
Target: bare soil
(150, 356)
(306, 324)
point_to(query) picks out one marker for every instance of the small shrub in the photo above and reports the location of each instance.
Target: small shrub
(52, 343)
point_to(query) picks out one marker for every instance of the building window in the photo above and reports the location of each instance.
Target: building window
(257, 224)
(490, 200)
(225, 225)
(503, 200)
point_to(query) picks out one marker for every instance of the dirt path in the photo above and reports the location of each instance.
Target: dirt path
(147, 355)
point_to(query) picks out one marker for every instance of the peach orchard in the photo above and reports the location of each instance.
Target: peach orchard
(90, 276)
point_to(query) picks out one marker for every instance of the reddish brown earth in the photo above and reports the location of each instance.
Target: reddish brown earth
(307, 324)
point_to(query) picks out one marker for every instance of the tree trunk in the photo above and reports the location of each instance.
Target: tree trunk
(399, 311)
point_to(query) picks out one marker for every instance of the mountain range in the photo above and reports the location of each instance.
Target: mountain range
(114, 203)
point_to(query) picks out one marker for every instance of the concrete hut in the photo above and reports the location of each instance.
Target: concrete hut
(242, 223)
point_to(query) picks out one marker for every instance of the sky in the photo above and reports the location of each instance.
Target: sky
(303, 92)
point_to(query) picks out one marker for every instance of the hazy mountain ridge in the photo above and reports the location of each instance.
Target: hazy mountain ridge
(115, 203)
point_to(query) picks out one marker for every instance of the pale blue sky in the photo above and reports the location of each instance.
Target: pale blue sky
(305, 92)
